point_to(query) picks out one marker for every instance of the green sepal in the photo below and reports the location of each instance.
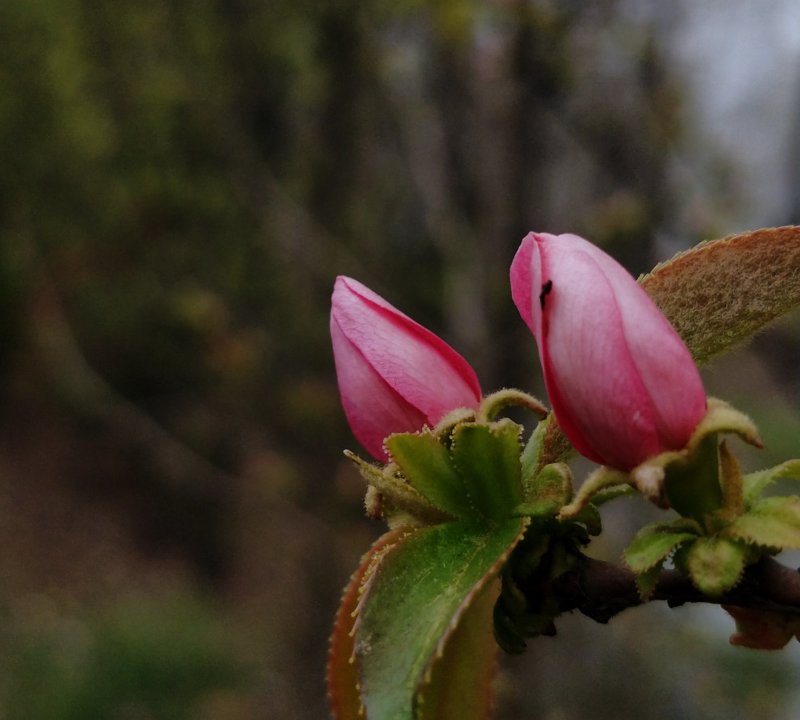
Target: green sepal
(756, 482)
(772, 523)
(529, 460)
(414, 601)
(691, 484)
(600, 480)
(492, 404)
(693, 481)
(486, 458)
(602, 497)
(428, 468)
(390, 496)
(716, 564)
(654, 543)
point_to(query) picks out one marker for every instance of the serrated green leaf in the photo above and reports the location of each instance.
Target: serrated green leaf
(342, 679)
(654, 543)
(756, 482)
(428, 468)
(719, 294)
(460, 680)
(414, 601)
(716, 564)
(772, 523)
(487, 460)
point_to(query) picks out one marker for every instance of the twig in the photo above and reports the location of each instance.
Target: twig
(602, 590)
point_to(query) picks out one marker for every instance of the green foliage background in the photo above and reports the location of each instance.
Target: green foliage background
(179, 185)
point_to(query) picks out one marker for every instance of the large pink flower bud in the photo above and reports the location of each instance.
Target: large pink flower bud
(394, 375)
(622, 384)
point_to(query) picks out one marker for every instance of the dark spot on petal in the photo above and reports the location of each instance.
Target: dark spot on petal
(546, 288)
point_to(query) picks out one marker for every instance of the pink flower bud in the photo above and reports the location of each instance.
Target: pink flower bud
(622, 384)
(394, 375)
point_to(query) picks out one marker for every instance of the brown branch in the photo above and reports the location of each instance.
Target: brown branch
(601, 590)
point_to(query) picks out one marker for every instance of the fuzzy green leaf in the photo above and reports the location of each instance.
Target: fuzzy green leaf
(460, 682)
(341, 670)
(721, 293)
(548, 492)
(486, 458)
(427, 466)
(716, 564)
(413, 603)
(755, 483)
(772, 523)
(654, 543)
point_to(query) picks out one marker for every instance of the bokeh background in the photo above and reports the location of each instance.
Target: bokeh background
(180, 182)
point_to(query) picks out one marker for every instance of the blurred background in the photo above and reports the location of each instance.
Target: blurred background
(180, 182)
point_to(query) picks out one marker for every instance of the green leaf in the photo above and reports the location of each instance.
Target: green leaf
(341, 673)
(427, 466)
(487, 460)
(755, 483)
(772, 523)
(413, 603)
(721, 293)
(654, 543)
(460, 682)
(716, 564)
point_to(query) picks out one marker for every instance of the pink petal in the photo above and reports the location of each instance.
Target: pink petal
(370, 404)
(424, 370)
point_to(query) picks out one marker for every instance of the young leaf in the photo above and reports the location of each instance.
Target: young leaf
(772, 523)
(755, 483)
(548, 491)
(654, 543)
(487, 460)
(716, 564)
(427, 466)
(341, 670)
(413, 603)
(721, 293)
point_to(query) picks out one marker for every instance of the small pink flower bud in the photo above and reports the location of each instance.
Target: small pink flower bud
(394, 375)
(622, 383)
